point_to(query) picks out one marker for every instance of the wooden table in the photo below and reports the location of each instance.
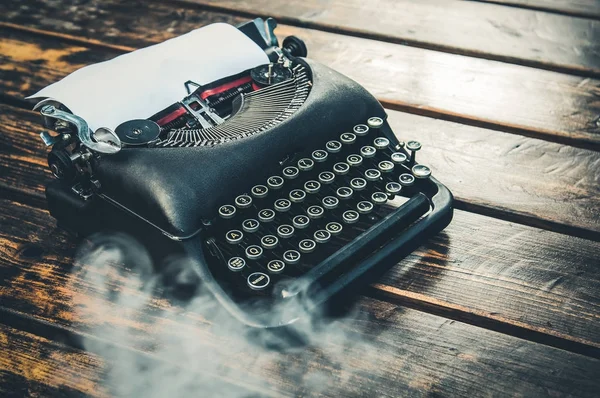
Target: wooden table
(505, 97)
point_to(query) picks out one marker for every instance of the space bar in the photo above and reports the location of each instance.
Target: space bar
(366, 242)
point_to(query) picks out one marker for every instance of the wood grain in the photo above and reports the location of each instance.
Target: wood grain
(380, 349)
(576, 8)
(478, 270)
(526, 180)
(33, 366)
(479, 92)
(527, 37)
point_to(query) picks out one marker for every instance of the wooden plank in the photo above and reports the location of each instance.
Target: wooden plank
(479, 270)
(479, 92)
(576, 8)
(33, 366)
(527, 180)
(381, 349)
(23, 166)
(533, 38)
(526, 37)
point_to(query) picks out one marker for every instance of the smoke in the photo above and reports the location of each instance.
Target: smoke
(160, 341)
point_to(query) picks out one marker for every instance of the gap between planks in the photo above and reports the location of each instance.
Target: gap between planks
(547, 6)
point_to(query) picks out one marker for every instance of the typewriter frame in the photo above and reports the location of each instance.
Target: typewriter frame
(87, 216)
(89, 210)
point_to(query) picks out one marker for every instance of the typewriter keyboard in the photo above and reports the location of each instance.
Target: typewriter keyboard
(311, 208)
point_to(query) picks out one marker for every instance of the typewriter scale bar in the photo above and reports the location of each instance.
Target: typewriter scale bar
(300, 227)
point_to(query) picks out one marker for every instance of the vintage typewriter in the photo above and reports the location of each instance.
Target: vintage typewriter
(281, 182)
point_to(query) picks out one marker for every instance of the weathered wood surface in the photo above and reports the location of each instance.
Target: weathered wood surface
(33, 366)
(516, 178)
(478, 270)
(538, 288)
(479, 92)
(491, 31)
(578, 8)
(382, 349)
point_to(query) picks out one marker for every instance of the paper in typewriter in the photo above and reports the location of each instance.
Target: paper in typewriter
(139, 84)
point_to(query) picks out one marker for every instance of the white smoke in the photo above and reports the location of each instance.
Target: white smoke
(154, 347)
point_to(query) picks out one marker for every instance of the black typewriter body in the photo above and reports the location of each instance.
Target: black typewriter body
(295, 190)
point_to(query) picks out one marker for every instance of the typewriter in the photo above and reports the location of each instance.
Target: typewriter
(281, 182)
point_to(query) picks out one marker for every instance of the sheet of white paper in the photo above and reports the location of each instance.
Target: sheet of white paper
(141, 83)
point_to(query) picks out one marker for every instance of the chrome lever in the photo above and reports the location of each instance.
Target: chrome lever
(111, 143)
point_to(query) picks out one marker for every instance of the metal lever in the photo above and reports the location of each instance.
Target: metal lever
(110, 146)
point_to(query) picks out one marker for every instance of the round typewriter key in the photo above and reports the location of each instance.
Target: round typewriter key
(282, 205)
(361, 129)
(385, 166)
(406, 180)
(344, 192)
(275, 182)
(297, 195)
(305, 164)
(234, 236)
(354, 160)
(307, 245)
(258, 281)
(326, 177)
(348, 138)
(315, 212)
(319, 155)
(334, 228)
(372, 174)
(330, 202)
(398, 157)
(368, 151)
(243, 201)
(375, 122)
(290, 172)
(236, 263)
(381, 143)
(379, 198)
(333, 146)
(322, 236)
(421, 171)
(413, 145)
(250, 225)
(269, 241)
(227, 211)
(393, 188)
(364, 207)
(254, 252)
(312, 186)
(358, 184)
(275, 266)
(341, 168)
(285, 231)
(266, 215)
(291, 256)
(259, 191)
(300, 222)
(350, 216)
